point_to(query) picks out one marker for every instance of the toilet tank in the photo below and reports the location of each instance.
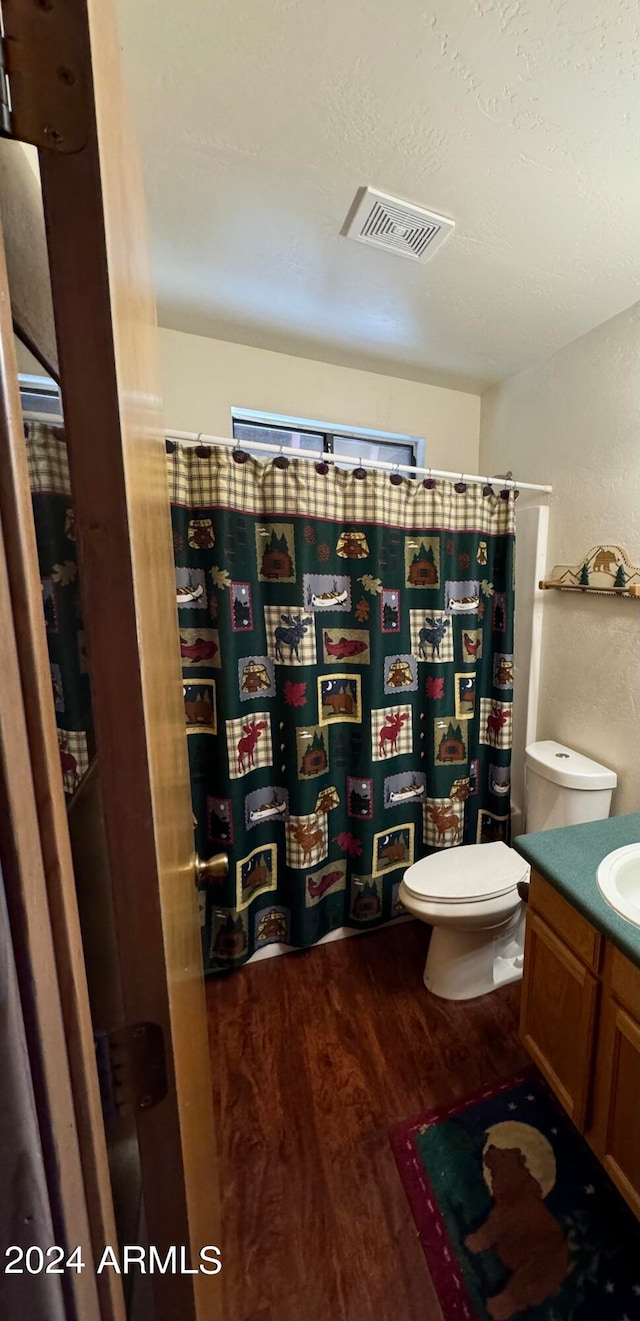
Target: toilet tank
(563, 788)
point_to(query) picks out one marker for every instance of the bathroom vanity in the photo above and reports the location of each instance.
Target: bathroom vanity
(580, 1009)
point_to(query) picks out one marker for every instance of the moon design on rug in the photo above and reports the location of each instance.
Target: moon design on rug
(536, 1149)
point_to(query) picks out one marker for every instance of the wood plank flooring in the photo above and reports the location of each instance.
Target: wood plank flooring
(315, 1056)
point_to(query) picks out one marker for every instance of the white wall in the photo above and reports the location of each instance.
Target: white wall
(202, 379)
(574, 421)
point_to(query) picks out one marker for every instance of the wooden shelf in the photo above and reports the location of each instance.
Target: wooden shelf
(556, 584)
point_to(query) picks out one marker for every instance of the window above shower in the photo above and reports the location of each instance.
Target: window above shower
(346, 444)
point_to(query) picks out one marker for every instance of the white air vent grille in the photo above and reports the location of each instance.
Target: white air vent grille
(388, 222)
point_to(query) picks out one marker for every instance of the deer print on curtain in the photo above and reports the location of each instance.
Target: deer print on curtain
(348, 682)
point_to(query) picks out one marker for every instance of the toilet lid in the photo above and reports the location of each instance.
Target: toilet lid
(472, 871)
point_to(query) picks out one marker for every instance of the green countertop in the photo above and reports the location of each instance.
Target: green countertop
(569, 858)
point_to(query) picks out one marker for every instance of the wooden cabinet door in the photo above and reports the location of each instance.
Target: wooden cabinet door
(615, 1131)
(558, 1016)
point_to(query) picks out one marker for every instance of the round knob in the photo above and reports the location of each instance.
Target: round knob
(215, 868)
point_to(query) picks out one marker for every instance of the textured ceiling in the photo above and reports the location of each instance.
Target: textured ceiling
(259, 119)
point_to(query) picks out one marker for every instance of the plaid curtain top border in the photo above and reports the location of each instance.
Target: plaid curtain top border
(217, 480)
(47, 458)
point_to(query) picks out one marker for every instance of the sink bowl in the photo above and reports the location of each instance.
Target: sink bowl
(619, 881)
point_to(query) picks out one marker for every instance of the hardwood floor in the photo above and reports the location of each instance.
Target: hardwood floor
(315, 1056)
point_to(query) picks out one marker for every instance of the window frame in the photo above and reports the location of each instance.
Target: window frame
(329, 433)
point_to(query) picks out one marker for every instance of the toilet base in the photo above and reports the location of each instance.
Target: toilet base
(464, 964)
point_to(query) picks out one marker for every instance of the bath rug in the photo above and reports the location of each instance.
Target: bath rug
(517, 1219)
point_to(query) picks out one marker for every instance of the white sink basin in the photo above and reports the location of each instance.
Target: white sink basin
(619, 881)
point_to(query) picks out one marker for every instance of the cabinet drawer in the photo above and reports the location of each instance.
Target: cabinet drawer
(567, 923)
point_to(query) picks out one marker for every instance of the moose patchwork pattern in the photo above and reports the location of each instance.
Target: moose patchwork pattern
(391, 732)
(307, 839)
(431, 635)
(347, 683)
(291, 635)
(74, 757)
(249, 744)
(495, 723)
(443, 822)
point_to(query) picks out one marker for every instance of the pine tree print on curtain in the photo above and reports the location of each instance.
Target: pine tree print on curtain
(347, 652)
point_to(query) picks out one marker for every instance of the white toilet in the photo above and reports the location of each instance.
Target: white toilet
(469, 893)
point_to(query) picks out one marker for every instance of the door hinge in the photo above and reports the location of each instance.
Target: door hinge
(42, 92)
(132, 1068)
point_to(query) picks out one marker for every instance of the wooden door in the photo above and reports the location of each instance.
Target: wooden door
(34, 843)
(105, 328)
(558, 1015)
(56, 1138)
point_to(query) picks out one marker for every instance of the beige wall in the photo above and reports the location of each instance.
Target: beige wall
(203, 379)
(574, 421)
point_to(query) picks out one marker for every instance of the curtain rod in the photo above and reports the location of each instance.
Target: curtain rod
(199, 438)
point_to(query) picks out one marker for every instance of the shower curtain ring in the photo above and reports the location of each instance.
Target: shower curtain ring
(202, 451)
(395, 478)
(461, 486)
(429, 481)
(238, 455)
(281, 460)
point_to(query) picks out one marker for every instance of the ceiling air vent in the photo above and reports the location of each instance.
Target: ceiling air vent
(388, 222)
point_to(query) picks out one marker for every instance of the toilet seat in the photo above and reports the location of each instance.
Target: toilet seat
(468, 874)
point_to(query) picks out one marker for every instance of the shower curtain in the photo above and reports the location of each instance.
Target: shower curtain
(347, 659)
(56, 541)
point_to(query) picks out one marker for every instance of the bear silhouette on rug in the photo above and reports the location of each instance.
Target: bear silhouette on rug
(523, 1232)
